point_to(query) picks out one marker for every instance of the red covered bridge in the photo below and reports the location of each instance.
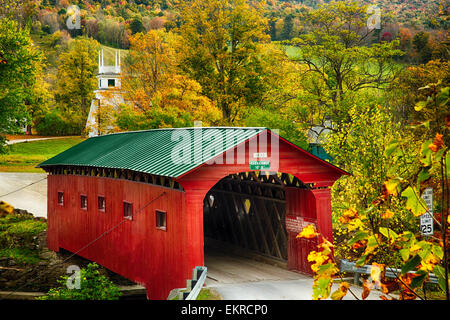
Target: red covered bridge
(141, 203)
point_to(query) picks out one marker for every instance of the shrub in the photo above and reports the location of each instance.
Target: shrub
(55, 123)
(93, 286)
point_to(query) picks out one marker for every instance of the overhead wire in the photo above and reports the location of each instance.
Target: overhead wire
(87, 245)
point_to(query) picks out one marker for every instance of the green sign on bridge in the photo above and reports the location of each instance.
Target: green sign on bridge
(260, 165)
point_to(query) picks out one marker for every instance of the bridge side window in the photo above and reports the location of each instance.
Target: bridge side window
(128, 210)
(83, 202)
(101, 203)
(161, 220)
(61, 198)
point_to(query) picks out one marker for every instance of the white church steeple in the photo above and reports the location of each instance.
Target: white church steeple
(107, 94)
(109, 76)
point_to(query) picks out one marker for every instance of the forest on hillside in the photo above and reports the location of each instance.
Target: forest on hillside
(285, 34)
(371, 82)
(112, 22)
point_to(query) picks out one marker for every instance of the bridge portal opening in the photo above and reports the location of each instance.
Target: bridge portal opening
(244, 215)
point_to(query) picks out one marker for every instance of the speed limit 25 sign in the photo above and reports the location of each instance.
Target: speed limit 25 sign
(426, 220)
(426, 224)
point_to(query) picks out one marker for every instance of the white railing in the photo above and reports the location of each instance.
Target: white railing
(194, 286)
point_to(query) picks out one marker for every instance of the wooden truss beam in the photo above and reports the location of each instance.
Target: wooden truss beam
(248, 210)
(161, 181)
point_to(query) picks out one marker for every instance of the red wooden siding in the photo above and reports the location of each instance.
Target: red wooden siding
(313, 206)
(136, 249)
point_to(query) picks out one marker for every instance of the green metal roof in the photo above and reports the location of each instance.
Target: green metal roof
(151, 151)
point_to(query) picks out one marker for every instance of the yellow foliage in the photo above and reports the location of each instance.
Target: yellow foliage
(429, 262)
(348, 215)
(308, 232)
(318, 258)
(391, 186)
(355, 224)
(5, 208)
(376, 272)
(387, 214)
(341, 292)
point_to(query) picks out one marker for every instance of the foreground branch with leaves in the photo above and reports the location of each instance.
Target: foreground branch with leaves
(371, 232)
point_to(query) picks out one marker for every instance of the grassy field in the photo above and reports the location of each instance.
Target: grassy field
(295, 52)
(23, 157)
(109, 54)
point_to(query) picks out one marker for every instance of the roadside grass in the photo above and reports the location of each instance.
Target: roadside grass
(208, 294)
(23, 157)
(205, 294)
(18, 236)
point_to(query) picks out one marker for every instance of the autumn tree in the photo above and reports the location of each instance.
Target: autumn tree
(280, 98)
(76, 79)
(408, 254)
(220, 50)
(20, 11)
(19, 63)
(160, 93)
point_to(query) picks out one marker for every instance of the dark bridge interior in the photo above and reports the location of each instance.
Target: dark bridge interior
(247, 210)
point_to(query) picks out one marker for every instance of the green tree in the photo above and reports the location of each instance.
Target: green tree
(279, 102)
(136, 25)
(220, 51)
(421, 42)
(288, 26)
(337, 55)
(19, 64)
(76, 79)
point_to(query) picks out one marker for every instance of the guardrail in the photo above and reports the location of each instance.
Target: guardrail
(347, 266)
(194, 285)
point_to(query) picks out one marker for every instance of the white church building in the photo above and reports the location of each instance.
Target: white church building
(108, 96)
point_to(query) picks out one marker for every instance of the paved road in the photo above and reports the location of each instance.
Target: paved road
(32, 198)
(239, 278)
(32, 139)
